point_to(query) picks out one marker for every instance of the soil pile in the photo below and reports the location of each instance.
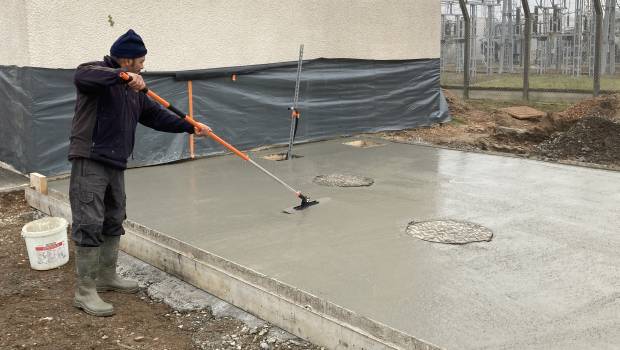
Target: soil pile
(591, 139)
(588, 131)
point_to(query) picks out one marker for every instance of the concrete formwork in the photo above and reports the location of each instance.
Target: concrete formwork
(345, 274)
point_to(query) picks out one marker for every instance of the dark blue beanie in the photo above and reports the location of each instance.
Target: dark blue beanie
(128, 45)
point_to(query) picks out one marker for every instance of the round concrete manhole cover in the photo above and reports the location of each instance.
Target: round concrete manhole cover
(341, 180)
(449, 231)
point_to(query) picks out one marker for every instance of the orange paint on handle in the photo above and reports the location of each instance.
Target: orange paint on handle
(156, 97)
(229, 146)
(191, 115)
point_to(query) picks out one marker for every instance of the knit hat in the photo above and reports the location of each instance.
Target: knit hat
(128, 45)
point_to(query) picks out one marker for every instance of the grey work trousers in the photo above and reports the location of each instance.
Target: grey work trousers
(97, 196)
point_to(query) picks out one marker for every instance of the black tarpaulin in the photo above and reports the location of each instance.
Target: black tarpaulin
(337, 97)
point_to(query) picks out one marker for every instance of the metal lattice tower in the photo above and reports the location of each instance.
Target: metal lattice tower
(562, 36)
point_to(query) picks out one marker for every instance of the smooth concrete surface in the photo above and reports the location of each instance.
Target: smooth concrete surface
(204, 34)
(549, 279)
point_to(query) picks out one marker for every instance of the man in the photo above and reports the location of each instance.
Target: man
(102, 138)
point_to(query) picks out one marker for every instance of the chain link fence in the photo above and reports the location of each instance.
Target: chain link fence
(563, 45)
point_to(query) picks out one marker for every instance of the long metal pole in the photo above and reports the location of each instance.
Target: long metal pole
(526, 49)
(466, 67)
(289, 187)
(294, 111)
(598, 9)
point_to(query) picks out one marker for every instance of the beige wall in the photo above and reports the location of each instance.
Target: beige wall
(14, 33)
(217, 33)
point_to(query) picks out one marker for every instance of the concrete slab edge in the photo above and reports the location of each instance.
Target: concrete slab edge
(294, 310)
(12, 188)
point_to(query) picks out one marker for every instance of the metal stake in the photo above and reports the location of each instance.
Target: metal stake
(294, 110)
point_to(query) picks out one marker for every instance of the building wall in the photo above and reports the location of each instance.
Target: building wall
(218, 33)
(14, 33)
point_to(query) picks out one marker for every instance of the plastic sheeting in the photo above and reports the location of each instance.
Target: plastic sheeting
(15, 117)
(337, 97)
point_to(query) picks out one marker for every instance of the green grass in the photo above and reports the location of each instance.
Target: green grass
(546, 81)
(490, 105)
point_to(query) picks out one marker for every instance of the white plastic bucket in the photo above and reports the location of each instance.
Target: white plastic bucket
(46, 240)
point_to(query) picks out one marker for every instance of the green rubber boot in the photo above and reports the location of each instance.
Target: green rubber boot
(108, 278)
(86, 297)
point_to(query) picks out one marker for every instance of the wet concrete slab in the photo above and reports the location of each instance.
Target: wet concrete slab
(549, 279)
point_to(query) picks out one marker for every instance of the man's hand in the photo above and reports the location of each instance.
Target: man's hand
(201, 130)
(136, 82)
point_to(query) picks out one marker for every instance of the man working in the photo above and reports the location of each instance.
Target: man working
(107, 112)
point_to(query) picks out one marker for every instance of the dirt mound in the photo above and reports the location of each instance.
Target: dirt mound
(602, 106)
(456, 106)
(591, 139)
(587, 131)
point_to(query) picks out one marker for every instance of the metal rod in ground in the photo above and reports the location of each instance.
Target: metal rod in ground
(294, 111)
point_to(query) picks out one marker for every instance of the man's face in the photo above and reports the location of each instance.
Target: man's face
(133, 65)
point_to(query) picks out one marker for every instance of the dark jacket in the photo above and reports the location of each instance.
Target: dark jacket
(107, 112)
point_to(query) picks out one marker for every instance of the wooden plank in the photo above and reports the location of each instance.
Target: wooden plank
(38, 182)
(524, 112)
